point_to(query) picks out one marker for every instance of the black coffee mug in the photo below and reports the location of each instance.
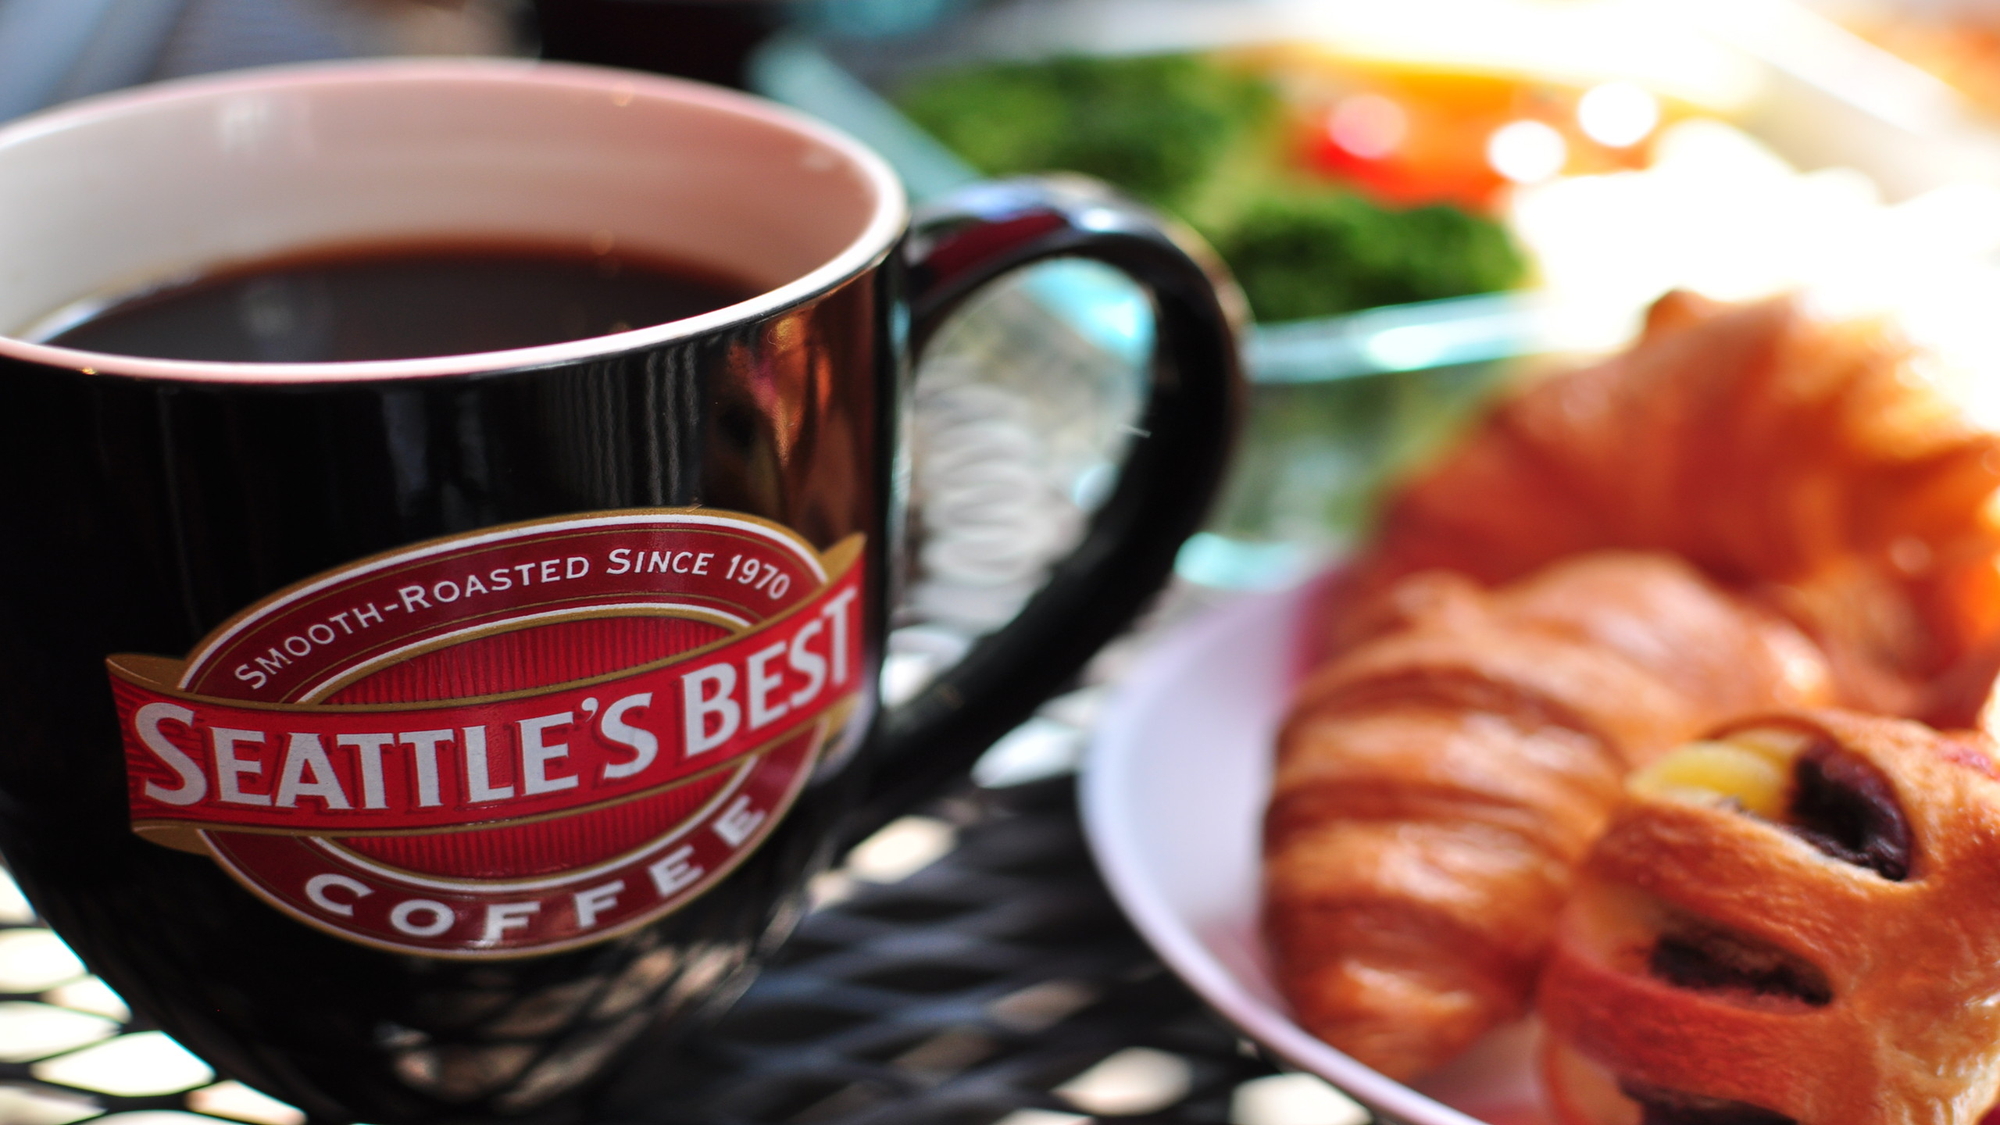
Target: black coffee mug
(411, 738)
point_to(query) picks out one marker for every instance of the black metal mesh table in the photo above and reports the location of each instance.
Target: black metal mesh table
(995, 982)
(964, 993)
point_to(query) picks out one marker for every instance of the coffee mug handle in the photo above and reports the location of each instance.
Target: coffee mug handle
(1173, 466)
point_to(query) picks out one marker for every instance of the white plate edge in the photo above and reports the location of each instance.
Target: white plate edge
(1113, 755)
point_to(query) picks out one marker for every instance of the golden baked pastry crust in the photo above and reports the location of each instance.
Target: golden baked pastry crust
(1874, 1000)
(1795, 459)
(1439, 780)
(1436, 786)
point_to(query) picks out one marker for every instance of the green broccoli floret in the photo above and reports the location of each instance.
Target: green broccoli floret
(1205, 142)
(1305, 253)
(1153, 125)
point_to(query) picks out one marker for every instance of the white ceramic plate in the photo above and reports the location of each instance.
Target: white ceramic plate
(1173, 796)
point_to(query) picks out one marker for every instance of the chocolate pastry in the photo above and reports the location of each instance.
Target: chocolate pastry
(1795, 921)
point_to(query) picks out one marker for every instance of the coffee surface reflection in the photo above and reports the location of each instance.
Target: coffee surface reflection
(401, 302)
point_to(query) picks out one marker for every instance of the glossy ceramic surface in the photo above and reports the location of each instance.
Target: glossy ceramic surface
(148, 501)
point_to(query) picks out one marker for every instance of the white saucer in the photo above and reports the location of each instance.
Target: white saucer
(1173, 795)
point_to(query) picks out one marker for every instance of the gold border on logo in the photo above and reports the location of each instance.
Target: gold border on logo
(137, 668)
(282, 593)
(161, 675)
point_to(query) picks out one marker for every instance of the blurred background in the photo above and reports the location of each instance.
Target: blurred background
(1423, 201)
(1417, 198)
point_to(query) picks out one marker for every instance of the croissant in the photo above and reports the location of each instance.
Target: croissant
(1437, 784)
(1807, 462)
(1797, 921)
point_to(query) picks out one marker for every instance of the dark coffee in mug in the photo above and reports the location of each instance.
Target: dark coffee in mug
(419, 738)
(400, 301)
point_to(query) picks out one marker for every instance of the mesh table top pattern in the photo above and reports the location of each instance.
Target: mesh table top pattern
(965, 966)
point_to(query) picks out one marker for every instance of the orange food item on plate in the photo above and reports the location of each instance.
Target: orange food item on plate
(1750, 510)
(1817, 945)
(1437, 784)
(1802, 461)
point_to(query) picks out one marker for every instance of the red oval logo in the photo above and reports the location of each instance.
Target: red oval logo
(509, 742)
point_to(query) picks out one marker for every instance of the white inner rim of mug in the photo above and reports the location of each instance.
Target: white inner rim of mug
(116, 194)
